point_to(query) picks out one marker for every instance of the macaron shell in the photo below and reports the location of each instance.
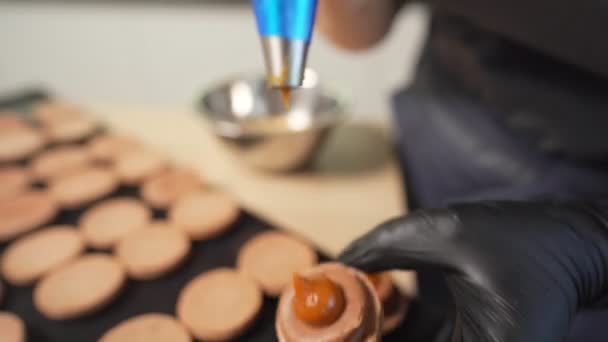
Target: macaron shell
(10, 121)
(163, 189)
(152, 252)
(13, 181)
(272, 258)
(70, 130)
(152, 327)
(19, 144)
(103, 225)
(395, 310)
(12, 328)
(109, 147)
(361, 320)
(84, 186)
(385, 286)
(47, 112)
(25, 212)
(80, 287)
(134, 167)
(204, 214)
(36, 254)
(59, 161)
(219, 305)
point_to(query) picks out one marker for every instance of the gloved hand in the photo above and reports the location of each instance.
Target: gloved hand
(518, 272)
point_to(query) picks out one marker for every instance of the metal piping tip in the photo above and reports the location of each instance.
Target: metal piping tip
(285, 61)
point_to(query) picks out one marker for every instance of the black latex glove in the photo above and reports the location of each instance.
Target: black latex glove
(518, 272)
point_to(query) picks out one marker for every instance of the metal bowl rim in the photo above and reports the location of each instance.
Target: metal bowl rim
(232, 129)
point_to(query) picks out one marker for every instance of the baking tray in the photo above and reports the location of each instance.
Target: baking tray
(160, 295)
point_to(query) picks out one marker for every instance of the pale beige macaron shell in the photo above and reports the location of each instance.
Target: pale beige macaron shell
(13, 181)
(204, 214)
(106, 223)
(12, 328)
(152, 252)
(59, 161)
(135, 166)
(272, 258)
(163, 189)
(219, 305)
(84, 186)
(55, 110)
(36, 254)
(151, 327)
(18, 144)
(71, 130)
(80, 287)
(109, 147)
(25, 212)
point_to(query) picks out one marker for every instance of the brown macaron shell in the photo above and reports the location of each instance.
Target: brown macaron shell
(163, 189)
(83, 186)
(395, 310)
(105, 224)
(12, 328)
(272, 258)
(38, 253)
(360, 321)
(204, 214)
(79, 287)
(25, 212)
(18, 144)
(13, 181)
(219, 305)
(394, 303)
(150, 327)
(59, 161)
(152, 252)
(384, 287)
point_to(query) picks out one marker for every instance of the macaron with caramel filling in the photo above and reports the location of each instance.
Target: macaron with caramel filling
(329, 302)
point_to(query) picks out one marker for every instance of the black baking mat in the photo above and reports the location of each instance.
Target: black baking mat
(137, 297)
(160, 295)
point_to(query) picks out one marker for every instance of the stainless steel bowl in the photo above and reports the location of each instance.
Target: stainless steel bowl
(257, 125)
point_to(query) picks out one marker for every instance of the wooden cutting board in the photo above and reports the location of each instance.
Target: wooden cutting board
(354, 183)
